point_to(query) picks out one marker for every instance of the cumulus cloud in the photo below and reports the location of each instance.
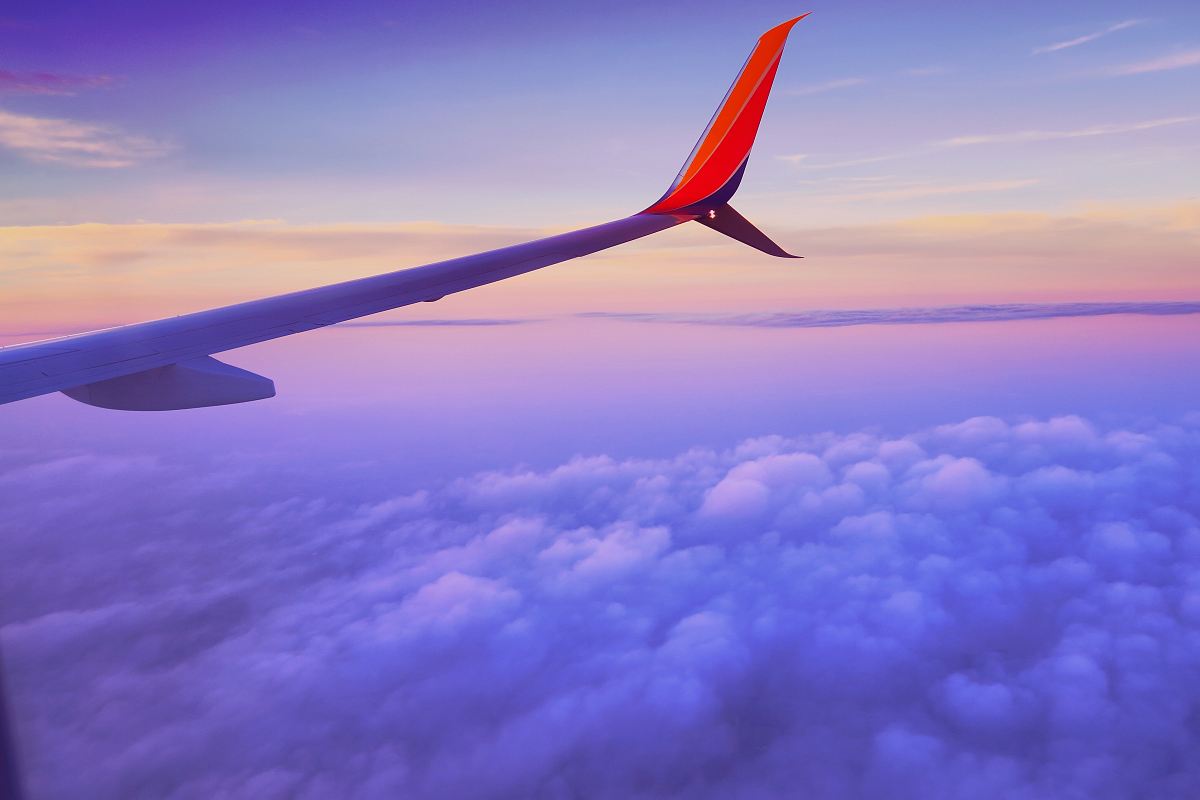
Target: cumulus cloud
(841, 318)
(73, 143)
(987, 609)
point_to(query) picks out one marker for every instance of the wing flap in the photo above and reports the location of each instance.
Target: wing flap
(194, 383)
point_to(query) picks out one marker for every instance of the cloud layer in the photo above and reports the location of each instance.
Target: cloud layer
(984, 610)
(841, 318)
(75, 277)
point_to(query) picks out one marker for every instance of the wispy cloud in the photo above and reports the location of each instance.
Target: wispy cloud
(78, 144)
(842, 318)
(918, 190)
(1090, 37)
(1189, 58)
(50, 83)
(827, 86)
(1078, 133)
(802, 160)
(928, 71)
(436, 323)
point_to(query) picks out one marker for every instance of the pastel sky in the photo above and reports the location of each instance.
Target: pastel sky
(940, 154)
(469, 113)
(559, 536)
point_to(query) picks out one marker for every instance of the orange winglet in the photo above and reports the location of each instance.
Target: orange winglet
(720, 156)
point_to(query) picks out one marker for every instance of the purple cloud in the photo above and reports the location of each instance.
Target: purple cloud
(49, 82)
(986, 609)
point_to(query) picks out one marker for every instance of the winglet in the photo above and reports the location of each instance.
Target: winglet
(724, 219)
(713, 171)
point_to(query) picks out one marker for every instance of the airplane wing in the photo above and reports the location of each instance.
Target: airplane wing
(167, 364)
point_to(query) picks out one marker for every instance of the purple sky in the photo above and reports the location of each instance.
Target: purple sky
(642, 524)
(450, 112)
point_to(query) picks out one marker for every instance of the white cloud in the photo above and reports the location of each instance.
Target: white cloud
(1091, 37)
(72, 143)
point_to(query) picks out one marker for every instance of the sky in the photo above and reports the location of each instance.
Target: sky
(919, 513)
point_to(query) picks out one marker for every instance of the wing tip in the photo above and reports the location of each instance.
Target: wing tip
(786, 27)
(789, 23)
